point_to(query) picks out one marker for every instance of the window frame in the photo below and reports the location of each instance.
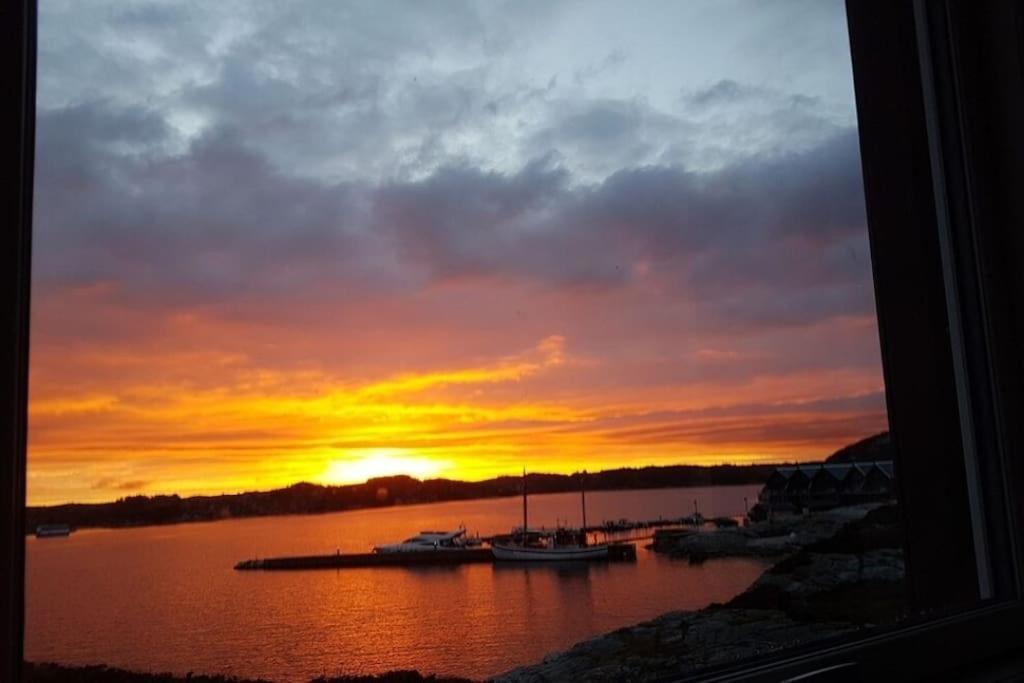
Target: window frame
(17, 147)
(940, 94)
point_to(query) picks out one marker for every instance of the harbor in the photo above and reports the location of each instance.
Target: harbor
(562, 544)
(620, 539)
(511, 611)
(447, 548)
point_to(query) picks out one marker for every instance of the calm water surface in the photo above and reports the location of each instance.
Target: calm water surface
(167, 598)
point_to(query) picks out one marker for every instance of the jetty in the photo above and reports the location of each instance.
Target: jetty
(617, 552)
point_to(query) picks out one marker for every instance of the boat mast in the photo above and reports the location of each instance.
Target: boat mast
(524, 504)
(583, 501)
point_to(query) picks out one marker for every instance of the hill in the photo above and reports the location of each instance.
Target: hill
(305, 498)
(877, 447)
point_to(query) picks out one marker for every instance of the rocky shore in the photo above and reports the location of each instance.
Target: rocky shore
(839, 571)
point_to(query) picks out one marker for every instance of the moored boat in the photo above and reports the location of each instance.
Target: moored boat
(52, 530)
(560, 545)
(545, 547)
(696, 519)
(431, 541)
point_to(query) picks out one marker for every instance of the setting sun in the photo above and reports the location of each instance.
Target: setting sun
(362, 464)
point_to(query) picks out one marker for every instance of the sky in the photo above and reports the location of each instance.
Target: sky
(325, 241)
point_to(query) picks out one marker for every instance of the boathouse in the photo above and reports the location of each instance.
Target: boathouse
(819, 486)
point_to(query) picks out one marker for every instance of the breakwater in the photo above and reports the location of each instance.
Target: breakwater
(617, 552)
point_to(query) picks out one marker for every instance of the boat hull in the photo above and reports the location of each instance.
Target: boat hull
(515, 553)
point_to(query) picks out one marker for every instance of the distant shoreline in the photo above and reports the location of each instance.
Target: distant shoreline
(308, 499)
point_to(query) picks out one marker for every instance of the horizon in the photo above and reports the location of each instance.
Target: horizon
(335, 242)
(395, 476)
(780, 463)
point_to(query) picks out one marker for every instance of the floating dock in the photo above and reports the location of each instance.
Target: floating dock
(617, 552)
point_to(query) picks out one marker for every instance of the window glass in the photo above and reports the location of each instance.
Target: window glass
(575, 298)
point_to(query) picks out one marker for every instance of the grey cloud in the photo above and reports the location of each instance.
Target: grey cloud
(596, 138)
(102, 127)
(463, 223)
(208, 224)
(613, 59)
(736, 119)
(774, 240)
(727, 92)
(724, 91)
(352, 91)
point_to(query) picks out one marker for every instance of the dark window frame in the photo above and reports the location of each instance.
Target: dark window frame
(17, 138)
(940, 100)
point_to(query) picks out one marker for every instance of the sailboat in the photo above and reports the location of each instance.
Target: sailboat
(560, 545)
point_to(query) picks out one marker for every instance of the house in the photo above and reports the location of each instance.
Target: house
(820, 486)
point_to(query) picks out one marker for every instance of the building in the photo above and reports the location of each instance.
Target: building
(819, 486)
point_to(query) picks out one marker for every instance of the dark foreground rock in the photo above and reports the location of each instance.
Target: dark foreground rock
(674, 644)
(57, 673)
(832, 586)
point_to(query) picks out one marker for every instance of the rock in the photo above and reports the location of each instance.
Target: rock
(709, 637)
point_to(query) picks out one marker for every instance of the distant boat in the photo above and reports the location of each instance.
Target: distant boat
(696, 519)
(560, 545)
(51, 530)
(431, 541)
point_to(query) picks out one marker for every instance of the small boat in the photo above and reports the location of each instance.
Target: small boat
(431, 541)
(52, 530)
(696, 519)
(560, 545)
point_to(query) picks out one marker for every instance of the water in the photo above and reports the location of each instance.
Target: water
(168, 599)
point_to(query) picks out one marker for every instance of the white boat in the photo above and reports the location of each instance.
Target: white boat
(560, 545)
(431, 541)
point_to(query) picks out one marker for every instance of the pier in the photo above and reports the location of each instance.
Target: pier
(617, 552)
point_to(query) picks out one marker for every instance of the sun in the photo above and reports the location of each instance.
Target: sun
(358, 465)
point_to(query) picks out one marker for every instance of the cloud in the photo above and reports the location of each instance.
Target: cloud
(108, 483)
(774, 240)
